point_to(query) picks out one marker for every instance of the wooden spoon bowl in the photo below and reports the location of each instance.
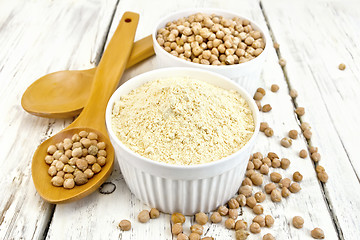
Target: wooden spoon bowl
(42, 179)
(92, 118)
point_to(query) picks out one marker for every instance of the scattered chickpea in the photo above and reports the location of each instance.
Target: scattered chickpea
(263, 126)
(282, 62)
(255, 228)
(264, 169)
(319, 169)
(305, 126)
(266, 161)
(154, 213)
(303, 153)
(246, 182)
(317, 233)
(269, 221)
(272, 156)
(144, 216)
(285, 192)
(268, 236)
(194, 236)
(315, 156)
(297, 177)
(293, 93)
(257, 179)
(250, 165)
(261, 90)
(176, 228)
(258, 96)
(260, 220)
(241, 200)
(125, 225)
(276, 45)
(275, 88)
(177, 218)
(251, 202)
(240, 224)
(182, 236)
(241, 234)
(260, 197)
(270, 187)
(323, 176)
(201, 218)
(342, 66)
(293, 134)
(300, 111)
(276, 163)
(233, 203)
(285, 182)
(275, 177)
(307, 134)
(286, 142)
(257, 163)
(230, 223)
(284, 163)
(298, 222)
(215, 217)
(275, 195)
(266, 108)
(295, 187)
(233, 213)
(258, 209)
(269, 132)
(313, 149)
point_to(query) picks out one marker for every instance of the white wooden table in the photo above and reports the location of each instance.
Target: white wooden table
(42, 36)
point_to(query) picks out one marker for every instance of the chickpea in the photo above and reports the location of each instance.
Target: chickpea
(285, 182)
(293, 93)
(223, 210)
(241, 200)
(298, 222)
(194, 236)
(215, 217)
(257, 179)
(305, 126)
(251, 202)
(82, 164)
(303, 153)
(270, 187)
(60, 174)
(317, 233)
(297, 177)
(177, 218)
(201, 218)
(52, 171)
(285, 192)
(269, 221)
(77, 152)
(80, 178)
(284, 163)
(69, 183)
(323, 176)
(57, 154)
(233, 213)
(260, 220)
(230, 223)
(274, 88)
(266, 161)
(315, 156)
(49, 159)
(275, 177)
(286, 142)
(125, 225)
(260, 197)
(313, 149)
(258, 209)
(57, 181)
(154, 213)
(102, 153)
(59, 165)
(342, 66)
(282, 62)
(52, 149)
(144, 216)
(255, 228)
(275, 195)
(319, 169)
(96, 168)
(294, 187)
(276, 163)
(263, 126)
(89, 173)
(68, 153)
(268, 236)
(241, 234)
(233, 203)
(266, 108)
(197, 228)
(257, 163)
(182, 236)
(245, 190)
(258, 96)
(68, 175)
(264, 169)
(176, 228)
(276, 45)
(272, 156)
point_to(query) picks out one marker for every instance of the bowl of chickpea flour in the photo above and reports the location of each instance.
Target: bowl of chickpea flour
(212, 39)
(181, 136)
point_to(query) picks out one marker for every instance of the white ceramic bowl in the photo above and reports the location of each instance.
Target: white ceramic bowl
(245, 74)
(176, 188)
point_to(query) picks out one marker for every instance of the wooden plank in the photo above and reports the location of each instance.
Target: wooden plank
(38, 37)
(104, 212)
(314, 39)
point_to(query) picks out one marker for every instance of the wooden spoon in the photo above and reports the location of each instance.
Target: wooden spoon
(92, 118)
(64, 94)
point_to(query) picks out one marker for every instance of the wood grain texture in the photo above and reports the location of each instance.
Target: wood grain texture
(38, 37)
(315, 39)
(105, 211)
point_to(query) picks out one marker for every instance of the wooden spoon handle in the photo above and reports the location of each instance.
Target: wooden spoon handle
(108, 73)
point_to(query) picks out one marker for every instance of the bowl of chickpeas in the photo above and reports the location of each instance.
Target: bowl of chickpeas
(215, 40)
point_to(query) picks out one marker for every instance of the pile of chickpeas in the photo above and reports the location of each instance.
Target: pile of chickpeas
(211, 39)
(74, 161)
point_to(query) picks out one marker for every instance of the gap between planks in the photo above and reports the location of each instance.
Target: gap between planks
(97, 60)
(293, 100)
